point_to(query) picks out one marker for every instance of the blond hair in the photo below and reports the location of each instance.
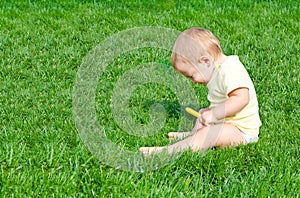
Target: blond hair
(195, 42)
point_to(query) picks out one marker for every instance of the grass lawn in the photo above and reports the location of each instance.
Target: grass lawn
(42, 46)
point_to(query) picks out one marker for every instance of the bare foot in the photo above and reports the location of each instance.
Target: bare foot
(150, 150)
(178, 135)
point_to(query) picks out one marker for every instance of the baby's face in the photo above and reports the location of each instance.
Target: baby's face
(198, 73)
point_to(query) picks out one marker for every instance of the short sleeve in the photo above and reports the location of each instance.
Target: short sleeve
(235, 76)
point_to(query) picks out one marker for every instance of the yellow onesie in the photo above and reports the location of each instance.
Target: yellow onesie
(226, 78)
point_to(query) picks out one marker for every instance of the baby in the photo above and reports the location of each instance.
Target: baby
(232, 117)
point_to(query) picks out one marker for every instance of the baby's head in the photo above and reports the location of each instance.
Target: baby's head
(198, 47)
(195, 42)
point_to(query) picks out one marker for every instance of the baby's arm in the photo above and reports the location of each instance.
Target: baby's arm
(237, 100)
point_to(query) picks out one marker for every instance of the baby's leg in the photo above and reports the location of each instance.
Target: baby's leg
(151, 150)
(181, 135)
(178, 135)
(221, 135)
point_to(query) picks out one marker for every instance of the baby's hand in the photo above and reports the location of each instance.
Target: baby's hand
(207, 117)
(203, 110)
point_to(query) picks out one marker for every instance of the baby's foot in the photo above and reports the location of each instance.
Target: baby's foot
(178, 135)
(150, 150)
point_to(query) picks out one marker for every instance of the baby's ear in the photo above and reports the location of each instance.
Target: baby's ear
(205, 60)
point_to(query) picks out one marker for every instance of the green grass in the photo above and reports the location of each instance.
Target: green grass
(42, 45)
